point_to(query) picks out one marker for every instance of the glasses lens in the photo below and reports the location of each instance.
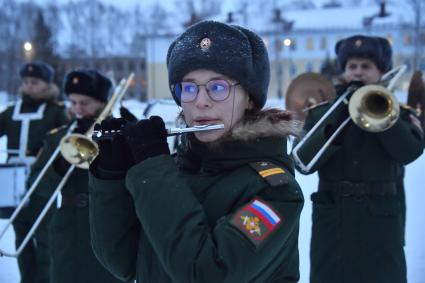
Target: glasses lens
(218, 90)
(188, 91)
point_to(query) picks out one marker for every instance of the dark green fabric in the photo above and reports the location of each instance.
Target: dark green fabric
(360, 238)
(54, 116)
(169, 220)
(72, 258)
(33, 262)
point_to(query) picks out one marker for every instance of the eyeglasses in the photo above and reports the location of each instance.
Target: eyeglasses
(217, 90)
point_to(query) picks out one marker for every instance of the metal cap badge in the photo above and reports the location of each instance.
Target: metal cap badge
(205, 43)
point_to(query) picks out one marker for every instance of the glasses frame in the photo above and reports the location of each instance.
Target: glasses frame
(206, 90)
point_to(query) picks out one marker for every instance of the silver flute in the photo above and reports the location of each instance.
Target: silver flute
(96, 135)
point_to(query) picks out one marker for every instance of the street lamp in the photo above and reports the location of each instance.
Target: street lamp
(28, 50)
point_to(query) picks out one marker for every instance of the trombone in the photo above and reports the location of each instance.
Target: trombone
(119, 92)
(373, 108)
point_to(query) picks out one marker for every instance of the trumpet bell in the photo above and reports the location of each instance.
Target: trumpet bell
(79, 150)
(374, 108)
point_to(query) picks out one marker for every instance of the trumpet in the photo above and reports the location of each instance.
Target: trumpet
(373, 108)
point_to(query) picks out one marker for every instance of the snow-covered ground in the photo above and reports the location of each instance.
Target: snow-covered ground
(415, 235)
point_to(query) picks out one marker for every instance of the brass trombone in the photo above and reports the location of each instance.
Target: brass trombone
(373, 108)
(88, 153)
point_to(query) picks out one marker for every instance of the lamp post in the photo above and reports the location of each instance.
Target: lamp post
(28, 50)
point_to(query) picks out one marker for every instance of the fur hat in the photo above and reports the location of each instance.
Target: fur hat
(377, 49)
(39, 70)
(87, 82)
(226, 49)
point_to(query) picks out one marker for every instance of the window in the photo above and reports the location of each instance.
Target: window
(407, 39)
(323, 43)
(309, 45)
(292, 69)
(309, 67)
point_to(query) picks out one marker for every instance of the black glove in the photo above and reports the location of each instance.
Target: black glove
(60, 165)
(83, 124)
(127, 115)
(147, 138)
(114, 153)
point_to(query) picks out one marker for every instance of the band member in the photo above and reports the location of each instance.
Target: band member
(72, 258)
(226, 207)
(357, 230)
(25, 124)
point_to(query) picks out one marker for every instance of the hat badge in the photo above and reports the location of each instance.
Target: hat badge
(205, 43)
(358, 43)
(30, 68)
(75, 80)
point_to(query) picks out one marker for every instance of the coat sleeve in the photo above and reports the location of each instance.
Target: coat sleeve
(191, 249)
(113, 226)
(404, 141)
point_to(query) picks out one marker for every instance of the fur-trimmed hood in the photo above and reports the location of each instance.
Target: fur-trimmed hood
(52, 93)
(270, 122)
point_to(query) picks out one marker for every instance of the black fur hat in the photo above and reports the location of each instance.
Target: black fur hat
(37, 69)
(87, 82)
(226, 49)
(377, 49)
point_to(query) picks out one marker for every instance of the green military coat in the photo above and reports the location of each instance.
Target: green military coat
(72, 258)
(190, 218)
(357, 235)
(53, 117)
(45, 115)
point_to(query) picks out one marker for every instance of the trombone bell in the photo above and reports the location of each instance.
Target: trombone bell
(79, 150)
(374, 108)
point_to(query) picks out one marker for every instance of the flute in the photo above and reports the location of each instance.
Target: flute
(170, 132)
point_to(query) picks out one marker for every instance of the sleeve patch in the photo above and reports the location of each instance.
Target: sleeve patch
(273, 174)
(256, 220)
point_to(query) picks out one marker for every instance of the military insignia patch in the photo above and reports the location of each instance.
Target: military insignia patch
(256, 220)
(273, 174)
(358, 43)
(205, 43)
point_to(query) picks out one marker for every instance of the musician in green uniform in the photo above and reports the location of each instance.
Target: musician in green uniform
(226, 207)
(72, 258)
(357, 233)
(25, 124)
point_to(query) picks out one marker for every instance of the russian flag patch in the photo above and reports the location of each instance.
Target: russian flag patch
(256, 221)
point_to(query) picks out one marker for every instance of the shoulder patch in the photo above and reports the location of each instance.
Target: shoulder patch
(256, 220)
(273, 174)
(55, 130)
(317, 105)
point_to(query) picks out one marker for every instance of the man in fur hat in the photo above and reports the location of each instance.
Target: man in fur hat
(25, 123)
(357, 233)
(72, 258)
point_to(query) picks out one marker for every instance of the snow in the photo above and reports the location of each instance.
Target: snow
(415, 194)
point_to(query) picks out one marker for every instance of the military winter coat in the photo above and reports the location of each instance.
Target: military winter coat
(72, 257)
(53, 117)
(357, 233)
(194, 218)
